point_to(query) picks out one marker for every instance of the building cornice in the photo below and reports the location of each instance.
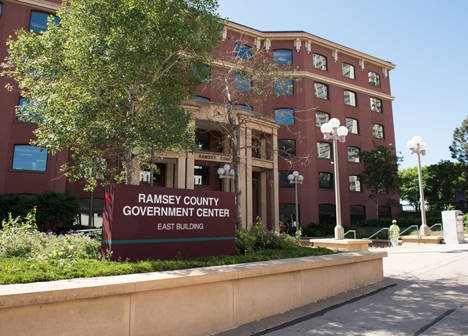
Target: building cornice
(335, 48)
(41, 4)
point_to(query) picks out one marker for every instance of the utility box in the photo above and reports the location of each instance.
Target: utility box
(452, 222)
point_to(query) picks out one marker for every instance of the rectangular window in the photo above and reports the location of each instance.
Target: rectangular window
(201, 175)
(376, 105)
(38, 21)
(243, 82)
(354, 184)
(321, 118)
(286, 147)
(352, 125)
(284, 87)
(243, 52)
(284, 116)
(348, 71)
(320, 62)
(321, 90)
(349, 98)
(353, 154)
(374, 79)
(325, 181)
(283, 180)
(202, 74)
(378, 131)
(323, 150)
(27, 157)
(1, 8)
(203, 140)
(282, 57)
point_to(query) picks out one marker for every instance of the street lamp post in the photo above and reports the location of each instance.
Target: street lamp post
(296, 179)
(333, 130)
(226, 173)
(416, 145)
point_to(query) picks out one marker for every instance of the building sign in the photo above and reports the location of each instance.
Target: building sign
(213, 157)
(142, 222)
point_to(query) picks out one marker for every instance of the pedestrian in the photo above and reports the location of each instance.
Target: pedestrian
(394, 232)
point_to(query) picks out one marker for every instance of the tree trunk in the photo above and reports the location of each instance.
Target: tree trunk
(377, 206)
(129, 169)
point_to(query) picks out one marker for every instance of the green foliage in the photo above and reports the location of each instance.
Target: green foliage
(109, 83)
(258, 238)
(442, 180)
(379, 171)
(459, 147)
(402, 222)
(319, 230)
(408, 182)
(52, 208)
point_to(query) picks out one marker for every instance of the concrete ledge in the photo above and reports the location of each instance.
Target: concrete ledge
(422, 239)
(348, 244)
(186, 302)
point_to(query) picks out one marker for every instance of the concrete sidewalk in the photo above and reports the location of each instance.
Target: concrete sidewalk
(425, 292)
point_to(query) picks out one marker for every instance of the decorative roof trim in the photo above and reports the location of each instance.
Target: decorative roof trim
(38, 4)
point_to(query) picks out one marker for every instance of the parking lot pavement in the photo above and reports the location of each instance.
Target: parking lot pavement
(425, 292)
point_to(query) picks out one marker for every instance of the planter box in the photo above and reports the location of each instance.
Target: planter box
(187, 302)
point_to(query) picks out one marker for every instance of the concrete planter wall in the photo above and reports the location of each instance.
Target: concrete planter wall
(187, 302)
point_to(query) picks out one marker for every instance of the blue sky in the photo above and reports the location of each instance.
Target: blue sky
(427, 40)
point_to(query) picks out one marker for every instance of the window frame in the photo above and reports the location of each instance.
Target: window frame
(380, 104)
(29, 170)
(47, 15)
(281, 84)
(241, 82)
(326, 91)
(357, 125)
(282, 120)
(351, 93)
(382, 131)
(240, 50)
(283, 182)
(330, 150)
(282, 63)
(357, 184)
(357, 159)
(206, 177)
(377, 83)
(316, 118)
(283, 150)
(324, 61)
(331, 184)
(343, 70)
(200, 98)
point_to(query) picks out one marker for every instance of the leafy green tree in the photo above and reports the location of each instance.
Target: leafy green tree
(379, 172)
(459, 147)
(442, 180)
(408, 182)
(109, 80)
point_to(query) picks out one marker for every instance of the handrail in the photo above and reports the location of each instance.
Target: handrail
(417, 229)
(376, 233)
(441, 228)
(354, 231)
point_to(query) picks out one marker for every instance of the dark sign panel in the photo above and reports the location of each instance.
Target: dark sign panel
(143, 223)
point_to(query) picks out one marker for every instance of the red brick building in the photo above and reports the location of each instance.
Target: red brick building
(336, 82)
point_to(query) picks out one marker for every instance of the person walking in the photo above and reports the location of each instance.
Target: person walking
(394, 233)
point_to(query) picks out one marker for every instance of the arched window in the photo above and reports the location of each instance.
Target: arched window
(327, 213)
(282, 56)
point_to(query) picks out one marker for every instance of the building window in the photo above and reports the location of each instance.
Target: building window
(354, 184)
(327, 213)
(385, 212)
(349, 98)
(243, 52)
(284, 116)
(202, 74)
(283, 180)
(243, 82)
(358, 213)
(158, 173)
(201, 98)
(38, 21)
(353, 154)
(202, 175)
(352, 125)
(321, 90)
(1, 8)
(320, 62)
(378, 131)
(242, 106)
(203, 140)
(323, 150)
(348, 70)
(325, 180)
(376, 105)
(282, 56)
(286, 147)
(374, 79)
(284, 87)
(25, 112)
(27, 157)
(321, 118)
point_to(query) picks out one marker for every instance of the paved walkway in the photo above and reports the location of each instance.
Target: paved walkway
(425, 292)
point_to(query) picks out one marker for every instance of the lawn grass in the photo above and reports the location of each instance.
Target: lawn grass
(22, 270)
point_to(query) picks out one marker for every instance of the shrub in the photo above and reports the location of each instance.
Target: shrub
(319, 230)
(258, 238)
(52, 208)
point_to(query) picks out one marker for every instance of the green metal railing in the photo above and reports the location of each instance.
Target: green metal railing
(441, 228)
(354, 231)
(382, 229)
(417, 229)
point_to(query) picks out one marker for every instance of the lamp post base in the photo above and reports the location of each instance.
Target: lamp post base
(424, 229)
(339, 232)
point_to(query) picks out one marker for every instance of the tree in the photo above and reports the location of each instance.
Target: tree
(108, 81)
(379, 171)
(243, 78)
(459, 147)
(408, 182)
(443, 179)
